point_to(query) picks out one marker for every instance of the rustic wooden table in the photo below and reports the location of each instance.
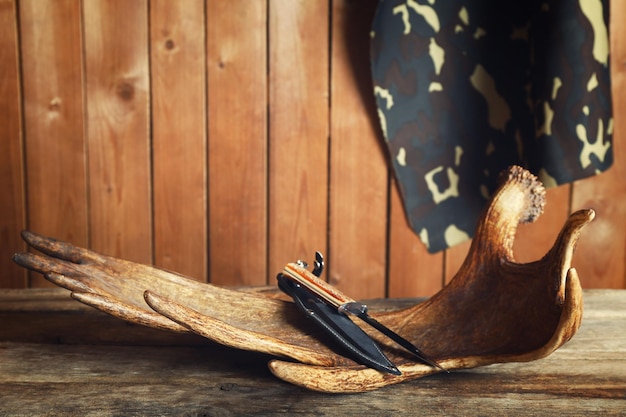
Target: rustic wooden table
(58, 357)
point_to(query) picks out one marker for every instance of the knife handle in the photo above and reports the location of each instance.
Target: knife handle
(319, 287)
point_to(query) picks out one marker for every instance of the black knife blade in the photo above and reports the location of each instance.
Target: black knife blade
(360, 310)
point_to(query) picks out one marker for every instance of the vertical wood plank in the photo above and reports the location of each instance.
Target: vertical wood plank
(53, 107)
(413, 271)
(358, 166)
(178, 88)
(116, 153)
(600, 255)
(11, 159)
(116, 55)
(237, 88)
(298, 126)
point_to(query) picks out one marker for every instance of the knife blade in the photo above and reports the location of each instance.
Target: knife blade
(297, 272)
(338, 326)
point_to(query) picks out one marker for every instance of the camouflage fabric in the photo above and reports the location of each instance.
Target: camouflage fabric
(465, 88)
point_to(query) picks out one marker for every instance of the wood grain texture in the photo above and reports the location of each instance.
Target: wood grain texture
(54, 116)
(117, 94)
(413, 272)
(12, 216)
(199, 382)
(237, 88)
(223, 139)
(602, 252)
(358, 170)
(586, 377)
(178, 75)
(298, 131)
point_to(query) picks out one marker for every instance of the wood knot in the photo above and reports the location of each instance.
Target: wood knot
(125, 90)
(169, 44)
(55, 105)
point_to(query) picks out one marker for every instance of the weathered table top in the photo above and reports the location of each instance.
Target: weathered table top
(58, 357)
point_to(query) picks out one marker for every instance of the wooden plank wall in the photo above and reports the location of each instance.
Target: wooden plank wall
(222, 139)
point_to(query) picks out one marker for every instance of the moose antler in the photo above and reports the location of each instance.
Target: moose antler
(494, 309)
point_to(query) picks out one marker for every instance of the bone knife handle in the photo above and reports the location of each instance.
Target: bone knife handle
(321, 288)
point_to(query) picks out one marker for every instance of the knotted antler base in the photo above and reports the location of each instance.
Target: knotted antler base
(494, 310)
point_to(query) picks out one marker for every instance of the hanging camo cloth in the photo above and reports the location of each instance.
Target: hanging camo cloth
(465, 88)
